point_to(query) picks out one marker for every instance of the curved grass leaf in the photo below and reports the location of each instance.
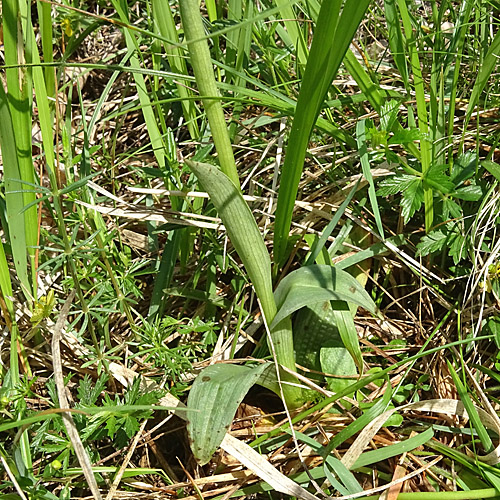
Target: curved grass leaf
(216, 393)
(375, 456)
(471, 410)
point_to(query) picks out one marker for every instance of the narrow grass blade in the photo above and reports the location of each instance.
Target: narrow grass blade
(290, 21)
(471, 411)
(375, 95)
(147, 110)
(238, 48)
(350, 485)
(396, 40)
(489, 63)
(375, 456)
(45, 17)
(5, 283)
(203, 72)
(13, 193)
(320, 243)
(175, 56)
(360, 423)
(165, 274)
(331, 40)
(365, 165)
(418, 84)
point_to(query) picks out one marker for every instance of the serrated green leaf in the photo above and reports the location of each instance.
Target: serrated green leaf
(436, 178)
(464, 167)
(395, 184)
(432, 242)
(111, 426)
(388, 114)
(458, 246)
(216, 394)
(412, 199)
(468, 193)
(406, 136)
(130, 425)
(451, 209)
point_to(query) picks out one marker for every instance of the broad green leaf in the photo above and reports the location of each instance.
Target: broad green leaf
(336, 360)
(432, 242)
(216, 394)
(242, 230)
(313, 284)
(249, 244)
(314, 328)
(321, 334)
(305, 295)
